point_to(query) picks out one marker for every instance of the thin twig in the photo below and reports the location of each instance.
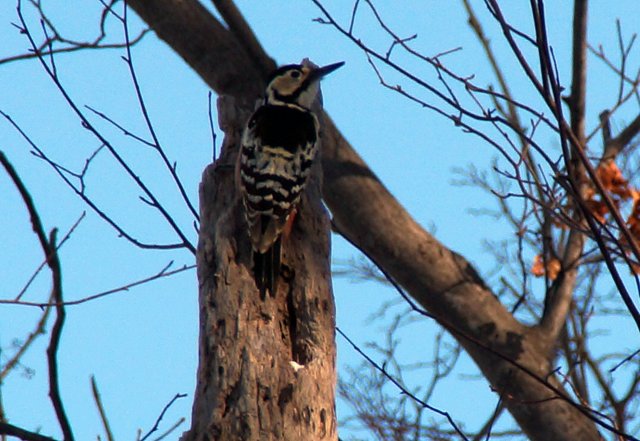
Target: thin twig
(625, 360)
(383, 371)
(164, 410)
(103, 415)
(26, 435)
(46, 47)
(164, 272)
(145, 113)
(170, 430)
(44, 262)
(38, 330)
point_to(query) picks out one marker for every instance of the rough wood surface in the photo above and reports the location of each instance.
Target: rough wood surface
(267, 366)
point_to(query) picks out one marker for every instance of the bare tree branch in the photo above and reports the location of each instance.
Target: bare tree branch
(11, 430)
(170, 430)
(383, 371)
(143, 108)
(560, 295)
(51, 72)
(44, 262)
(38, 330)
(48, 246)
(164, 410)
(624, 138)
(244, 35)
(208, 43)
(164, 272)
(79, 190)
(47, 48)
(56, 333)
(103, 415)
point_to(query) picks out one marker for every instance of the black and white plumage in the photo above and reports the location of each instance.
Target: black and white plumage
(278, 148)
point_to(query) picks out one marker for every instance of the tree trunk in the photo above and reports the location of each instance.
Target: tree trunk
(267, 366)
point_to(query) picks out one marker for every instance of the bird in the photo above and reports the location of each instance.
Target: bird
(278, 147)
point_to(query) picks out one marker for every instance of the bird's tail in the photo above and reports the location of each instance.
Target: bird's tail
(266, 269)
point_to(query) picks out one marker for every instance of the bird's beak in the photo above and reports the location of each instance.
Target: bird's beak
(317, 74)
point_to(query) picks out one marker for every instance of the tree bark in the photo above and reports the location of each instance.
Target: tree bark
(441, 281)
(267, 366)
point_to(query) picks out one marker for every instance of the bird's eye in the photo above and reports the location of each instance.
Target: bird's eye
(295, 74)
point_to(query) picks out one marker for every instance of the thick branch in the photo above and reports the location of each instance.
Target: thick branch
(577, 99)
(559, 296)
(245, 36)
(203, 42)
(558, 299)
(615, 145)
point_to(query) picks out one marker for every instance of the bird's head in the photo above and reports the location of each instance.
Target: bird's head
(297, 84)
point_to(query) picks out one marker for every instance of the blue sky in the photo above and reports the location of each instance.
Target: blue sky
(141, 345)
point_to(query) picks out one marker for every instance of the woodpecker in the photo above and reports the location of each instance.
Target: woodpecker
(279, 145)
